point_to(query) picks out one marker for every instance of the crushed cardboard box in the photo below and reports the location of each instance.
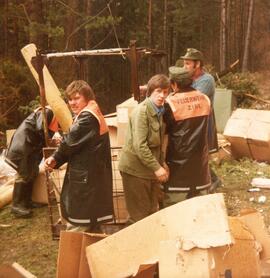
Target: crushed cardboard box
(14, 271)
(248, 131)
(240, 259)
(71, 256)
(120, 255)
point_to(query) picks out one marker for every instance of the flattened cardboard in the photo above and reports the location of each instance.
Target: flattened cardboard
(200, 221)
(175, 262)
(241, 259)
(72, 261)
(254, 222)
(14, 271)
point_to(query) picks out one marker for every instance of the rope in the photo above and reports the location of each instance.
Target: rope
(86, 22)
(115, 34)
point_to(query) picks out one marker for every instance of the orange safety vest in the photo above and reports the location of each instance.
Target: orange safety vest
(53, 125)
(93, 108)
(189, 105)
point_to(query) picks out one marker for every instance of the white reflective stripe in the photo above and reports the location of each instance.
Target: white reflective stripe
(105, 218)
(186, 189)
(79, 220)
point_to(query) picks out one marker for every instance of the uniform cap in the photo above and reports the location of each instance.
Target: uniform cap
(179, 73)
(192, 54)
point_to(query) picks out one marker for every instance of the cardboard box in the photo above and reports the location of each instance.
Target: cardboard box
(14, 271)
(111, 121)
(124, 111)
(72, 261)
(40, 193)
(255, 223)
(120, 255)
(248, 131)
(240, 259)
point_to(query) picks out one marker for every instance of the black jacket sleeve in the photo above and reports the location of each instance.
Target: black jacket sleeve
(85, 129)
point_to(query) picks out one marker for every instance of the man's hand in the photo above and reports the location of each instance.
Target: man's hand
(166, 167)
(49, 163)
(162, 175)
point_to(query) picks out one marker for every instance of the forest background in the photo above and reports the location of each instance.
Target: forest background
(224, 30)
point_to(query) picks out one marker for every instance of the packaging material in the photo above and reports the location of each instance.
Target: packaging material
(205, 225)
(236, 260)
(224, 150)
(6, 192)
(72, 261)
(111, 121)
(255, 223)
(147, 271)
(14, 271)
(261, 183)
(39, 193)
(124, 111)
(224, 104)
(248, 131)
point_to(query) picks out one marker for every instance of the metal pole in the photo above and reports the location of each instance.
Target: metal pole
(39, 68)
(134, 57)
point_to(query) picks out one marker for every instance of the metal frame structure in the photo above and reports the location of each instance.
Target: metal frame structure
(134, 55)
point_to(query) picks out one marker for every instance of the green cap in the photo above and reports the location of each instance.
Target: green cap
(193, 54)
(179, 74)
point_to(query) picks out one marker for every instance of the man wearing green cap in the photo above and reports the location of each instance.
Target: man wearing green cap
(205, 83)
(186, 117)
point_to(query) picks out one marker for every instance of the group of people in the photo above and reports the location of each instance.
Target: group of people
(164, 159)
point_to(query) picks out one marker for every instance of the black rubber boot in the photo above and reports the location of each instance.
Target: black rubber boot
(21, 200)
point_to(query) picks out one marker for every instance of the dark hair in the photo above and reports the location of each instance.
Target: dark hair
(157, 81)
(81, 87)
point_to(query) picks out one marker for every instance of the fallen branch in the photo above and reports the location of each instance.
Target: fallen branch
(257, 98)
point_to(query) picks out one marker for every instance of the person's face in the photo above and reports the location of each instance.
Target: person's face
(159, 95)
(190, 65)
(77, 102)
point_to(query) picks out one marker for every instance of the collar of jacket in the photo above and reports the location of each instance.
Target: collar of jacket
(153, 110)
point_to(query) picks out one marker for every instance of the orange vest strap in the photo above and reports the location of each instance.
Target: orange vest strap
(53, 125)
(93, 108)
(189, 105)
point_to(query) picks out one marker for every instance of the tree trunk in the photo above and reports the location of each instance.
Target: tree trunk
(88, 39)
(222, 35)
(5, 27)
(165, 66)
(36, 16)
(149, 33)
(247, 37)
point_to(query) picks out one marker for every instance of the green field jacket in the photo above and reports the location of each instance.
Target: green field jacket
(142, 153)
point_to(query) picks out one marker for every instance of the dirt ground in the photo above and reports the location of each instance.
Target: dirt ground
(29, 241)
